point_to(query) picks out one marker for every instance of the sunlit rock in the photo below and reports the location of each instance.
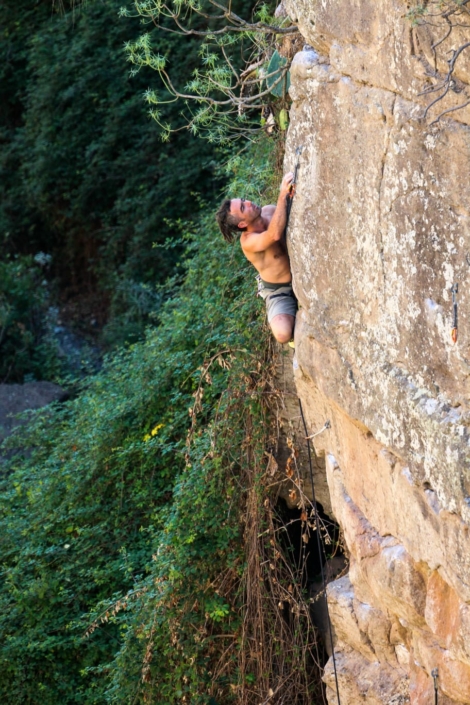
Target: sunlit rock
(379, 233)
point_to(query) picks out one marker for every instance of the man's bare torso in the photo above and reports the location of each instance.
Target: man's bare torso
(273, 262)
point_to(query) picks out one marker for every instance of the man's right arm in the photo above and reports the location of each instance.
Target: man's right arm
(258, 242)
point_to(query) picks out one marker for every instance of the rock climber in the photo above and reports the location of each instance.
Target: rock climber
(263, 243)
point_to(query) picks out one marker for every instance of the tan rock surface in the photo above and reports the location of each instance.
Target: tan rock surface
(454, 675)
(379, 232)
(363, 681)
(421, 689)
(358, 624)
(375, 44)
(448, 617)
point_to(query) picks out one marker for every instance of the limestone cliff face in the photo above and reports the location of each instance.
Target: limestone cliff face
(379, 233)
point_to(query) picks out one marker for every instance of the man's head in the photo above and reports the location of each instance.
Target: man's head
(236, 215)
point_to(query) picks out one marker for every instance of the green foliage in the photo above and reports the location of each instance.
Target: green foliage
(278, 81)
(415, 14)
(84, 176)
(146, 461)
(26, 342)
(232, 81)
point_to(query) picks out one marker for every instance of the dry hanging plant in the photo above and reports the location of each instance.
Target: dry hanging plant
(446, 28)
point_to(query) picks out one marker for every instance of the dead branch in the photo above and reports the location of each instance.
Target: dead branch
(450, 13)
(225, 81)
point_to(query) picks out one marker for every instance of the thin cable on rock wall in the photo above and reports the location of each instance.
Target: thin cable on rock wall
(321, 550)
(435, 676)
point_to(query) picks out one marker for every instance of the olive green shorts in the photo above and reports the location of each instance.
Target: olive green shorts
(279, 298)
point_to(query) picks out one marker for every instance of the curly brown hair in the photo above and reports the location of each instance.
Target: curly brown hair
(228, 223)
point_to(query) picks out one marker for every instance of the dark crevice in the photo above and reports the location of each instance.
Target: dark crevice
(308, 562)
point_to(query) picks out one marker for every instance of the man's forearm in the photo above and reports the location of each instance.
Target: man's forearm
(278, 221)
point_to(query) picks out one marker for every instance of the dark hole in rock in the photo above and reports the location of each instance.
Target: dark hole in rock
(308, 559)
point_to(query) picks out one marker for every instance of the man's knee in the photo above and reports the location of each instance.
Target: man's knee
(282, 327)
(282, 337)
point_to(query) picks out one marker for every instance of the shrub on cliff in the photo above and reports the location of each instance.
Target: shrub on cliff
(121, 518)
(84, 175)
(27, 346)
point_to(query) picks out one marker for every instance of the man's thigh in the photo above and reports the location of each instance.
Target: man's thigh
(281, 303)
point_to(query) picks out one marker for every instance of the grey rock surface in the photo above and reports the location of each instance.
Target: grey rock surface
(379, 233)
(17, 398)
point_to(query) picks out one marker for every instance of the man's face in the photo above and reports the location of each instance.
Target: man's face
(247, 211)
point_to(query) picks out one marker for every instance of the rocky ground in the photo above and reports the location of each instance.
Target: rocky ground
(19, 398)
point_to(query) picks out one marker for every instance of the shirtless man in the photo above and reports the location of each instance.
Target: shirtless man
(263, 244)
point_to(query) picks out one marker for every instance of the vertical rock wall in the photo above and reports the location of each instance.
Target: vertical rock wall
(379, 232)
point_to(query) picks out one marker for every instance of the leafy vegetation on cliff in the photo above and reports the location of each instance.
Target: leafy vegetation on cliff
(239, 71)
(141, 558)
(84, 176)
(26, 344)
(130, 520)
(85, 179)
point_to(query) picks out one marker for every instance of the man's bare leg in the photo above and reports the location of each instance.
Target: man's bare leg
(282, 327)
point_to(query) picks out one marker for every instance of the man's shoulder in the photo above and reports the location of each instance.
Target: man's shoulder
(268, 210)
